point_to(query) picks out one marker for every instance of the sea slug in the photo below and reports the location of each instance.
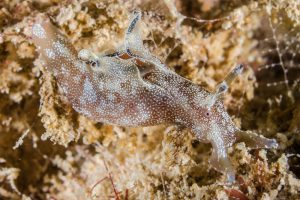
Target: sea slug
(134, 88)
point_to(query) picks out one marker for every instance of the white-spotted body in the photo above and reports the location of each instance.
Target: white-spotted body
(133, 88)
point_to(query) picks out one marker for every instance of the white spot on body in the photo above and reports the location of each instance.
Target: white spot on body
(80, 65)
(101, 86)
(76, 79)
(50, 53)
(124, 120)
(143, 111)
(223, 122)
(89, 94)
(230, 128)
(111, 97)
(38, 31)
(61, 49)
(64, 69)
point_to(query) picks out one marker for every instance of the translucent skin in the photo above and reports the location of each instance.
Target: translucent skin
(133, 88)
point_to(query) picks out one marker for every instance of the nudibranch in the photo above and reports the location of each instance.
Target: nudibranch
(132, 87)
